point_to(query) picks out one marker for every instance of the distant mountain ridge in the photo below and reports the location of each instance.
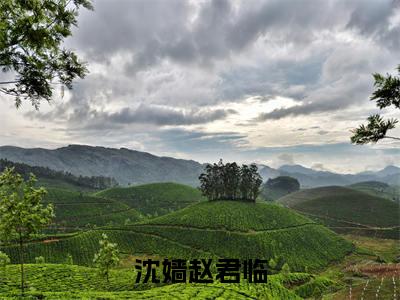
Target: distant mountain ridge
(131, 167)
(126, 166)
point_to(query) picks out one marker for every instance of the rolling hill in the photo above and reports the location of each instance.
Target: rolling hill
(209, 229)
(62, 281)
(130, 167)
(76, 211)
(154, 199)
(347, 210)
(379, 189)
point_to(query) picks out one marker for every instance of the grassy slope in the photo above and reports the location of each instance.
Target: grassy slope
(76, 210)
(230, 229)
(272, 194)
(347, 210)
(378, 189)
(232, 215)
(76, 282)
(62, 184)
(156, 198)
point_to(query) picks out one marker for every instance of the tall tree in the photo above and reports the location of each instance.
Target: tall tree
(22, 214)
(256, 182)
(387, 93)
(31, 37)
(245, 182)
(107, 257)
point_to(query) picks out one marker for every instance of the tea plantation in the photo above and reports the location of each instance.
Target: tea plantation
(347, 210)
(154, 199)
(75, 210)
(61, 281)
(225, 229)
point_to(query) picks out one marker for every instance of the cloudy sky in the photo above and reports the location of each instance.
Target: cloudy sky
(273, 81)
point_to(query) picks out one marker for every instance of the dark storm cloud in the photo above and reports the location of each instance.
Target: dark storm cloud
(347, 91)
(85, 117)
(372, 20)
(189, 141)
(165, 116)
(153, 30)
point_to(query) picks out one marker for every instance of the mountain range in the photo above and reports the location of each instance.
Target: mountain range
(130, 167)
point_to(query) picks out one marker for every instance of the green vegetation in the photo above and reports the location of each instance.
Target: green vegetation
(230, 182)
(76, 211)
(233, 216)
(278, 187)
(154, 199)
(57, 179)
(347, 210)
(239, 229)
(208, 229)
(52, 281)
(31, 47)
(22, 213)
(387, 94)
(107, 257)
(378, 189)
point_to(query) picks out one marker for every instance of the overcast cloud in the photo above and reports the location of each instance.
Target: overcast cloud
(242, 80)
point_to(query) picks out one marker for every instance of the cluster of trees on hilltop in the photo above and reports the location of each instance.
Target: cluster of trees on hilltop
(230, 182)
(96, 182)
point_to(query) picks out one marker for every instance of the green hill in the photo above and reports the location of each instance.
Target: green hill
(76, 210)
(60, 281)
(347, 210)
(156, 198)
(209, 229)
(379, 189)
(278, 187)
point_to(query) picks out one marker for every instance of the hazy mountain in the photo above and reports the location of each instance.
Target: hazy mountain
(268, 172)
(135, 167)
(126, 166)
(313, 178)
(297, 169)
(389, 170)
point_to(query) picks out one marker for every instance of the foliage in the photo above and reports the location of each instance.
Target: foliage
(282, 235)
(75, 282)
(31, 38)
(107, 257)
(4, 260)
(39, 260)
(155, 198)
(21, 210)
(230, 182)
(285, 268)
(387, 93)
(278, 187)
(374, 131)
(69, 260)
(93, 182)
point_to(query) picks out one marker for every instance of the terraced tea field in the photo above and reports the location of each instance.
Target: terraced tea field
(228, 229)
(75, 210)
(154, 199)
(347, 211)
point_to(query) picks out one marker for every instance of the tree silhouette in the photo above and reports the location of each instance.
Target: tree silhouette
(31, 37)
(230, 182)
(387, 94)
